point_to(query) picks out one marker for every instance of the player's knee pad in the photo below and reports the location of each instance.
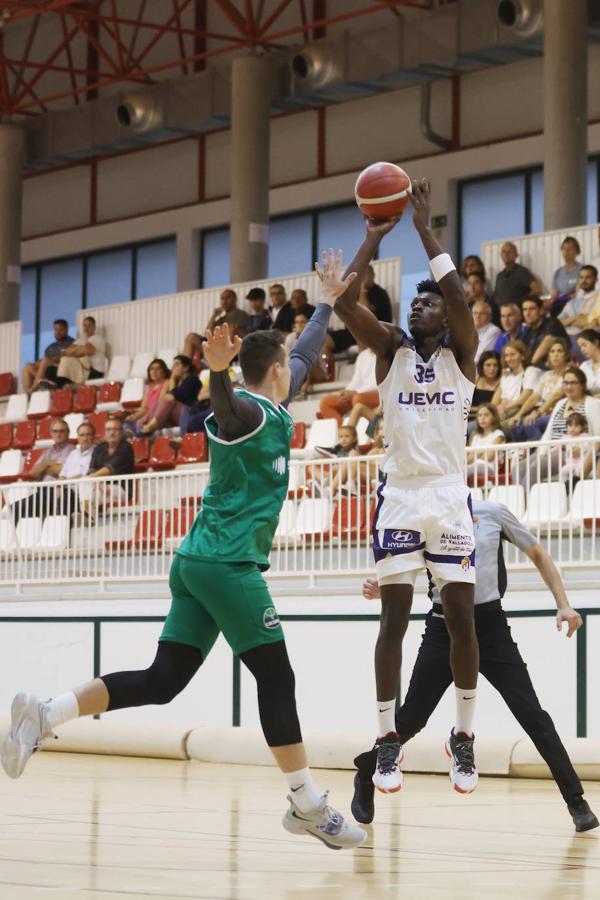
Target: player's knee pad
(276, 687)
(173, 667)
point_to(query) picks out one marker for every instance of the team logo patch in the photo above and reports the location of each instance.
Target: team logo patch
(400, 539)
(465, 564)
(280, 465)
(270, 618)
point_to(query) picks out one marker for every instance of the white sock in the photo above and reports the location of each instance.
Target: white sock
(62, 709)
(465, 709)
(386, 716)
(305, 793)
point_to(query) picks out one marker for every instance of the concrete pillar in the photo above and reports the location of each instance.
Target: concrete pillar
(12, 152)
(188, 259)
(565, 113)
(250, 97)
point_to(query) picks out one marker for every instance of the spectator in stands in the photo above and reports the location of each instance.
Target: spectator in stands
(487, 333)
(488, 379)
(229, 314)
(114, 456)
(516, 383)
(300, 304)
(487, 433)
(362, 388)
(158, 375)
(77, 465)
(540, 331)
(543, 465)
(578, 313)
(44, 500)
(319, 372)
(578, 457)
(192, 348)
(514, 282)
(84, 358)
(45, 369)
(589, 344)
(377, 297)
(181, 390)
(281, 310)
(259, 319)
(476, 290)
(472, 265)
(529, 422)
(193, 417)
(321, 475)
(566, 278)
(511, 322)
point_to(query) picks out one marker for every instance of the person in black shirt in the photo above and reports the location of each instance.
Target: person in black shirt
(281, 310)
(540, 331)
(259, 319)
(299, 301)
(514, 282)
(113, 456)
(379, 299)
(182, 390)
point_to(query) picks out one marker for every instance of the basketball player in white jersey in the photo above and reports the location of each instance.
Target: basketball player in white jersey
(423, 516)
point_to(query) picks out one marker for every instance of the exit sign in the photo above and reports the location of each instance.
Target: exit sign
(439, 221)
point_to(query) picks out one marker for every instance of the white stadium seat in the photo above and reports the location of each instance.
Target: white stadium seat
(286, 527)
(16, 410)
(546, 505)
(585, 503)
(133, 392)
(74, 420)
(511, 495)
(7, 535)
(117, 371)
(29, 531)
(139, 366)
(322, 433)
(314, 517)
(55, 533)
(11, 464)
(39, 404)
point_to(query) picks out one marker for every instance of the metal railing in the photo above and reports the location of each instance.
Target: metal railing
(128, 528)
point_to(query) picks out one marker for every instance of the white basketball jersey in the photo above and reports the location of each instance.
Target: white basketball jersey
(425, 410)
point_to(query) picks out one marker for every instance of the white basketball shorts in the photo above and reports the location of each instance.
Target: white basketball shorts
(424, 523)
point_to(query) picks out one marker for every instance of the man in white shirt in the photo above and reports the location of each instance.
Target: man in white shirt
(77, 465)
(84, 359)
(487, 333)
(362, 388)
(576, 314)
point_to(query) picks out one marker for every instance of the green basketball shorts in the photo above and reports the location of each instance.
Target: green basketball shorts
(210, 596)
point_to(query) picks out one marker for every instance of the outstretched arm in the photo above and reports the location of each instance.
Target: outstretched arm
(236, 416)
(545, 566)
(463, 337)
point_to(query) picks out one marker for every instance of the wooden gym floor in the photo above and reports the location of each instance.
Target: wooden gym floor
(110, 828)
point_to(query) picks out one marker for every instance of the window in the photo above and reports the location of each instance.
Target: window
(592, 191)
(27, 315)
(215, 258)
(156, 269)
(108, 278)
(405, 242)
(290, 245)
(61, 290)
(341, 229)
(491, 208)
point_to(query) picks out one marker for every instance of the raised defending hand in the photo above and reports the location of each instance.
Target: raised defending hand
(571, 617)
(421, 203)
(219, 349)
(370, 589)
(333, 284)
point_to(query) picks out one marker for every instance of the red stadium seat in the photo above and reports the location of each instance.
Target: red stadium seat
(61, 403)
(109, 393)
(349, 520)
(299, 436)
(179, 522)
(141, 453)
(30, 461)
(43, 429)
(7, 384)
(163, 455)
(98, 420)
(6, 434)
(85, 399)
(193, 449)
(24, 435)
(149, 531)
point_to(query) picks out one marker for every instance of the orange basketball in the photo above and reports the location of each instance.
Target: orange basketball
(382, 190)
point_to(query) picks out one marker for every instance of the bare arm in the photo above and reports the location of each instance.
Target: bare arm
(463, 336)
(542, 351)
(545, 566)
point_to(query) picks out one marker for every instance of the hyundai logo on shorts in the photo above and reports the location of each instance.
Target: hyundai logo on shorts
(400, 539)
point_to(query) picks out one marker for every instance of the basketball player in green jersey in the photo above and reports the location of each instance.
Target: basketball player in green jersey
(216, 577)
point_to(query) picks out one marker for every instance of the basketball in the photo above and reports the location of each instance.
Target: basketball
(382, 190)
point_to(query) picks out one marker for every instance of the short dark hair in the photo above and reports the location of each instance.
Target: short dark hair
(256, 294)
(89, 319)
(429, 286)
(62, 322)
(485, 356)
(572, 240)
(591, 268)
(258, 352)
(537, 300)
(589, 334)
(184, 360)
(579, 375)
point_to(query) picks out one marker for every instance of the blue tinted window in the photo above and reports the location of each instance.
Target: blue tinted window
(341, 229)
(60, 297)
(109, 277)
(215, 258)
(27, 315)
(592, 192)
(156, 272)
(537, 201)
(404, 241)
(492, 209)
(290, 246)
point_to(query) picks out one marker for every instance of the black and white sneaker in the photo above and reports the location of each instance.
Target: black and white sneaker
(324, 823)
(463, 774)
(388, 774)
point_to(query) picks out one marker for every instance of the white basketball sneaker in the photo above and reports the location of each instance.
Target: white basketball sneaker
(28, 728)
(388, 776)
(324, 823)
(463, 774)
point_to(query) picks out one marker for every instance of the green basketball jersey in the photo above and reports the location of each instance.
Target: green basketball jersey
(246, 489)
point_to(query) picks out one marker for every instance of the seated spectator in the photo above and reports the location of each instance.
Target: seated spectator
(181, 390)
(473, 265)
(543, 465)
(259, 319)
(514, 282)
(476, 290)
(77, 465)
(487, 333)
(578, 313)
(540, 331)
(281, 310)
(192, 347)
(362, 388)
(516, 383)
(193, 417)
(300, 304)
(45, 369)
(488, 379)
(578, 457)
(229, 314)
(529, 422)
(84, 358)
(158, 375)
(487, 433)
(589, 344)
(338, 475)
(319, 372)
(566, 278)
(511, 323)
(377, 297)
(114, 456)
(44, 500)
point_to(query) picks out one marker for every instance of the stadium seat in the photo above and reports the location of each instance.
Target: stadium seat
(511, 495)
(323, 433)
(132, 393)
(16, 409)
(193, 449)
(44, 438)
(31, 459)
(98, 420)
(149, 531)
(585, 504)
(139, 366)
(117, 371)
(85, 399)
(24, 435)
(11, 465)
(168, 355)
(109, 397)
(141, 453)
(163, 455)
(349, 521)
(6, 434)
(39, 405)
(361, 431)
(299, 436)
(7, 384)
(7, 535)
(29, 531)
(286, 526)
(55, 533)
(546, 505)
(61, 402)
(74, 420)
(179, 522)
(314, 517)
